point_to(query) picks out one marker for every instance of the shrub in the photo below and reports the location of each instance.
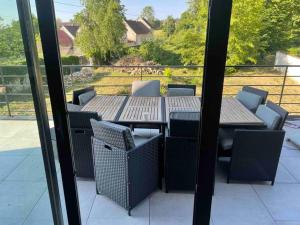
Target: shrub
(70, 60)
(168, 73)
(153, 51)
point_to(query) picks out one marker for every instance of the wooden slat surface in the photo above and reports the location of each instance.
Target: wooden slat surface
(234, 112)
(184, 103)
(141, 109)
(107, 106)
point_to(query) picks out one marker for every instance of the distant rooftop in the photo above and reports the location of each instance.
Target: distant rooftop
(71, 27)
(138, 27)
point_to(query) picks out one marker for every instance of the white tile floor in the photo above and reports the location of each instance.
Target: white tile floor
(24, 197)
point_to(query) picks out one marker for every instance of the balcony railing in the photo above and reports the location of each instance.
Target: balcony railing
(282, 82)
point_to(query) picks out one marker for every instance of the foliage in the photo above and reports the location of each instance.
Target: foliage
(169, 26)
(101, 29)
(294, 51)
(281, 24)
(168, 72)
(245, 43)
(11, 44)
(70, 60)
(154, 50)
(148, 14)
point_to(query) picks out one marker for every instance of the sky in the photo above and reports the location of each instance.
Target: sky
(65, 9)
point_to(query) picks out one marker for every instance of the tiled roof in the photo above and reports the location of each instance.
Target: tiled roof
(64, 39)
(138, 27)
(72, 28)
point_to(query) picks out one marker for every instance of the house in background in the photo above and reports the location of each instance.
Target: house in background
(66, 38)
(137, 31)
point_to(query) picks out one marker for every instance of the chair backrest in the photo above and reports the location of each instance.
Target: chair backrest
(255, 154)
(271, 118)
(282, 112)
(249, 100)
(74, 108)
(261, 93)
(184, 124)
(86, 97)
(113, 134)
(76, 94)
(81, 120)
(181, 90)
(149, 88)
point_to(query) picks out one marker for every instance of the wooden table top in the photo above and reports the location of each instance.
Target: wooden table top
(232, 112)
(157, 109)
(107, 106)
(184, 103)
(142, 109)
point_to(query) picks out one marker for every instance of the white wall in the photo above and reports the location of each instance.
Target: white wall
(284, 59)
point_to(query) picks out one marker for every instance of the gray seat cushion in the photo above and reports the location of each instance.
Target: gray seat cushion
(294, 138)
(113, 134)
(270, 117)
(139, 140)
(86, 97)
(74, 108)
(226, 138)
(180, 92)
(250, 100)
(149, 88)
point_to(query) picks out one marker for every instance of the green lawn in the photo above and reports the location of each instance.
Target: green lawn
(109, 81)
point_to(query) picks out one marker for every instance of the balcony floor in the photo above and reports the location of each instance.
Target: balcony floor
(24, 198)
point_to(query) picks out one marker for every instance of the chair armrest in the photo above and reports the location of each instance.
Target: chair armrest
(149, 142)
(143, 170)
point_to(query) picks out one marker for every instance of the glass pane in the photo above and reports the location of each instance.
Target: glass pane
(253, 186)
(121, 48)
(24, 197)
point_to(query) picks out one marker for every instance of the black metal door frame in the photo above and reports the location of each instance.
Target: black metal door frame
(214, 68)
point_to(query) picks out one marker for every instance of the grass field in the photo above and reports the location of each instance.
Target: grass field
(108, 81)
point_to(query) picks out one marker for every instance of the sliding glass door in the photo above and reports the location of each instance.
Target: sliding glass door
(179, 186)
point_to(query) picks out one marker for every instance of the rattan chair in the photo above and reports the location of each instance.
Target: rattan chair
(125, 172)
(181, 90)
(81, 134)
(181, 151)
(262, 93)
(254, 153)
(77, 93)
(150, 88)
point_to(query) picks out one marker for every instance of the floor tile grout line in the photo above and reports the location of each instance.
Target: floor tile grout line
(14, 169)
(269, 212)
(289, 172)
(46, 189)
(88, 217)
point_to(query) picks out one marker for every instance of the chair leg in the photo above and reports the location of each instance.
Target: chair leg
(273, 182)
(129, 212)
(228, 180)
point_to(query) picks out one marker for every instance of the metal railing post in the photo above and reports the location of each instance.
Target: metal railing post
(5, 92)
(283, 85)
(141, 71)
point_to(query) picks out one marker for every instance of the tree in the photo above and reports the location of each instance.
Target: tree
(245, 42)
(149, 15)
(169, 26)
(101, 29)
(281, 25)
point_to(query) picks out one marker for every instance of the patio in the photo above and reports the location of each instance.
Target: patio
(24, 198)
